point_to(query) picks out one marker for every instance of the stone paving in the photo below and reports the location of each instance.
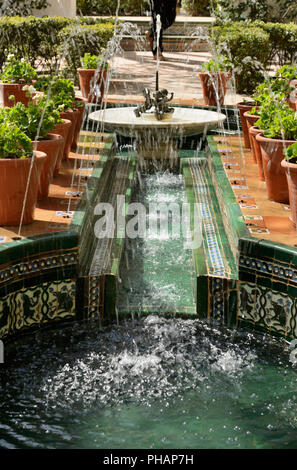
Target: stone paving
(135, 70)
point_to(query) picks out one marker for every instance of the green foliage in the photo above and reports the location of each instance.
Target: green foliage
(265, 10)
(219, 64)
(278, 120)
(35, 120)
(21, 7)
(282, 40)
(13, 142)
(77, 40)
(197, 7)
(60, 90)
(291, 153)
(109, 7)
(40, 41)
(37, 39)
(17, 71)
(248, 50)
(90, 61)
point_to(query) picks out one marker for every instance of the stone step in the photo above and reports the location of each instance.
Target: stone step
(186, 34)
(171, 43)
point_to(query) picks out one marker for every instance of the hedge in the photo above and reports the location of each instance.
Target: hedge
(282, 39)
(109, 7)
(252, 46)
(76, 40)
(42, 40)
(197, 8)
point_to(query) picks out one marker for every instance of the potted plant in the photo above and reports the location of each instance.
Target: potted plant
(80, 104)
(214, 76)
(37, 121)
(290, 165)
(256, 149)
(287, 76)
(63, 128)
(16, 73)
(280, 131)
(251, 117)
(61, 91)
(243, 107)
(93, 78)
(20, 169)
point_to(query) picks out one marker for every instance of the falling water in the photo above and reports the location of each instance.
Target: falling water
(148, 383)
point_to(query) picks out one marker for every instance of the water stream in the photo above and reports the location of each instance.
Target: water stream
(157, 270)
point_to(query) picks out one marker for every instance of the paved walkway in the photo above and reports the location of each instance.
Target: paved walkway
(135, 70)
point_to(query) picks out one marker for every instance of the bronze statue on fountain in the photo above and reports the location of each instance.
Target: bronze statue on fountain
(159, 101)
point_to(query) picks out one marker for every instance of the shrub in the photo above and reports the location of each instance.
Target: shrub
(197, 7)
(266, 10)
(248, 50)
(77, 40)
(109, 7)
(283, 41)
(23, 7)
(31, 37)
(40, 40)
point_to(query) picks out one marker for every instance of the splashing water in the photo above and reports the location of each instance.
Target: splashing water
(148, 383)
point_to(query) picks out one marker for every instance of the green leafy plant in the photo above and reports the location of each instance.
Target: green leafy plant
(90, 61)
(61, 91)
(14, 143)
(219, 64)
(35, 120)
(278, 121)
(17, 71)
(291, 153)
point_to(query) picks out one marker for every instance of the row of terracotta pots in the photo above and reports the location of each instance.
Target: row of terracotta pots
(278, 174)
(46, 164)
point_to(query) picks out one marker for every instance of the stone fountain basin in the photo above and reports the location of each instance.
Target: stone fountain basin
(182, 122)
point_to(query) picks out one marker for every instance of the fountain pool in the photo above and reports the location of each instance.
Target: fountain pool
(149, 383)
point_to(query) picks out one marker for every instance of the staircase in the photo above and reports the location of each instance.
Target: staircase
(187, 34)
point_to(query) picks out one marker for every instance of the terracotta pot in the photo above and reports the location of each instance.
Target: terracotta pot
(211, 84)
(13, 183)
(86, 83)
(244, 107)
(81, 110)
(251, 120)
(71, 115)
(292, 100)
(8, 89)
(256, 150)
(291, 174)
(62, 129)
(51, 146)
(274, 173)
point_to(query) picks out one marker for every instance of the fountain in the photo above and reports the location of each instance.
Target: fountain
(155, 125)
(131, 371)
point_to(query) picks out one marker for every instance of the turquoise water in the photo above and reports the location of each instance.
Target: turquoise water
(149, 383)
(157, 270)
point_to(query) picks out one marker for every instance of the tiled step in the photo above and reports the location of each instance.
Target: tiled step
(214, 257)
(118, 182)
